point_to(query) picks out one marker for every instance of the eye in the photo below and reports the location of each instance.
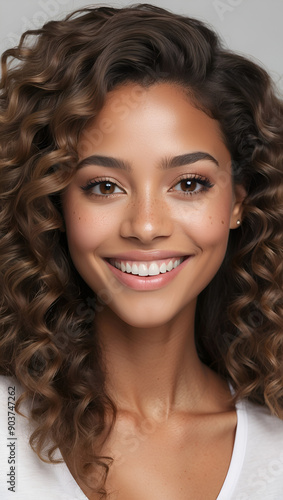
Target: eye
(102, 187)
(105, 187)
(192, 185)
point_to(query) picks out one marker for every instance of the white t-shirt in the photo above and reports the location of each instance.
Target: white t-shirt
(255, 472)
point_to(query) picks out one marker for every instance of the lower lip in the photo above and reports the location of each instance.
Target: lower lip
(149, 282)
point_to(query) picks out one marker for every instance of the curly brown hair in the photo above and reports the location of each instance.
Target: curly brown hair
(52, 84)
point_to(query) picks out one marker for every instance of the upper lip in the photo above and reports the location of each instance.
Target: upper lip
(147, 255)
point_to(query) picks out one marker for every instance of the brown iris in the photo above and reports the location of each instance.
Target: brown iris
(107, 187)
(188, 185)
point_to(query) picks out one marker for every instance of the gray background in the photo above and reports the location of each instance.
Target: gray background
(250, 27)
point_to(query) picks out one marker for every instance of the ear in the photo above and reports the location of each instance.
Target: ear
(240, 194)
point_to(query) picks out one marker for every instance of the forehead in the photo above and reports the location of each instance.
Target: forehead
(160, 116)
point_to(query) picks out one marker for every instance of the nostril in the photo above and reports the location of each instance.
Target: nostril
(146, 226)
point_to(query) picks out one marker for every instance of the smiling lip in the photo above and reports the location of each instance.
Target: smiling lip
(128, 273)
(147, 255)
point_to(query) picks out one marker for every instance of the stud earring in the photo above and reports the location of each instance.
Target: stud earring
(238, 222)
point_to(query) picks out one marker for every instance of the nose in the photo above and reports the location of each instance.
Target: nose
(146, 218)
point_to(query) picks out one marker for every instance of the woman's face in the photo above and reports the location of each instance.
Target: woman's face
(150, 208)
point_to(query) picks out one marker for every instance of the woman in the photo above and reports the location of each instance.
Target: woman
(141, 231)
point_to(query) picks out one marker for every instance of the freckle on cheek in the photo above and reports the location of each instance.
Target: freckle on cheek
(222, 222)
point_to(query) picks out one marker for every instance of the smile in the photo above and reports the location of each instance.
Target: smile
(151, 268)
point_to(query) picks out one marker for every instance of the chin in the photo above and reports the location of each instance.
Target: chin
(144, 318)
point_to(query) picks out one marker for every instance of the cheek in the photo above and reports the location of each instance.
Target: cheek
(212, 233)
(87, 227)
(208, 222)
(85, 235)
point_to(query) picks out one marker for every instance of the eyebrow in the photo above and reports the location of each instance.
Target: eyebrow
(104, 161)
(187, 159)
(167, 163)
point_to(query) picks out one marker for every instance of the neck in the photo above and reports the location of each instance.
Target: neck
(152, 371)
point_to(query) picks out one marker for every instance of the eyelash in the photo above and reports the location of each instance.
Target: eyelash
(91, 184)
(204, 181)
(199, 179)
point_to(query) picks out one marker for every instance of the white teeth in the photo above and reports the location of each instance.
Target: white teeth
(147, 269)
(143, 270)
(170, 266)
(153, 269)
(163, 268)
(135, 269)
